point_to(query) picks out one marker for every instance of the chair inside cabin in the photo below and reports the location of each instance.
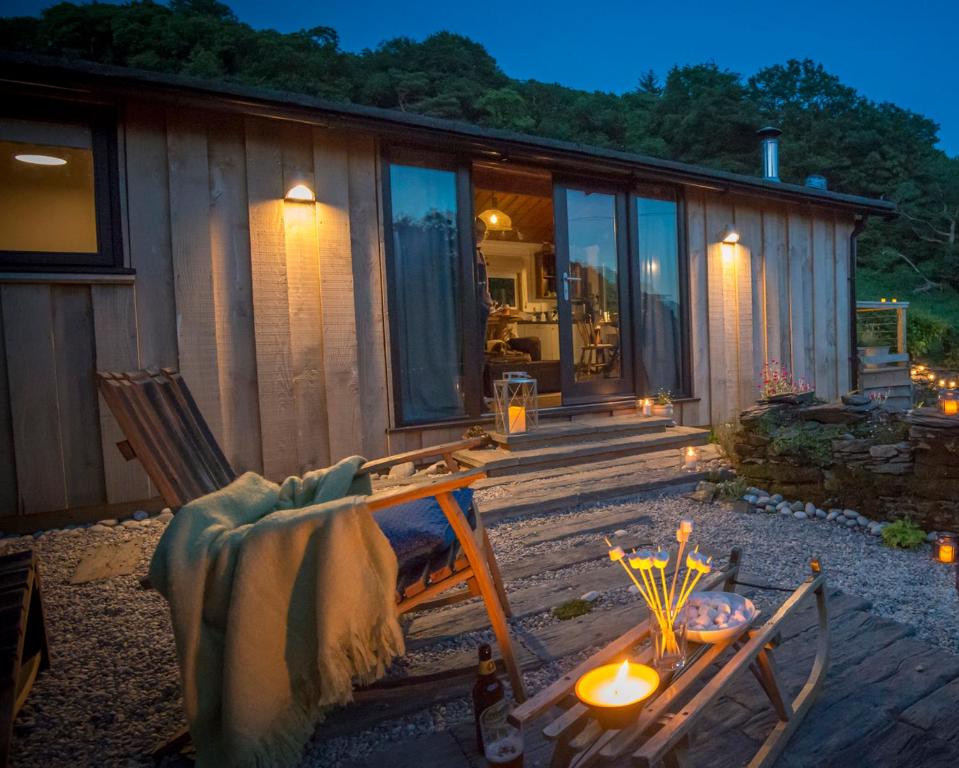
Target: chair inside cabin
(433, 526)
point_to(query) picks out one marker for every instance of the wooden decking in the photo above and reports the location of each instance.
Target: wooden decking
(889, 699)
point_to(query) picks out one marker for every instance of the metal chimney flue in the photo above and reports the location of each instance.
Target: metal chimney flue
(770, 146)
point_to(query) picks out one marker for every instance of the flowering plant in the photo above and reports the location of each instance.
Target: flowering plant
(777, 380)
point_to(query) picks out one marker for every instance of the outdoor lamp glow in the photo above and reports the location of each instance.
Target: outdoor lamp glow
(730, 236)
(40, 159)
(944, 548)
(301, 194)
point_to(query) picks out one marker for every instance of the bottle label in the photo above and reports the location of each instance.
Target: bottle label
(487, 667)
(493, 723)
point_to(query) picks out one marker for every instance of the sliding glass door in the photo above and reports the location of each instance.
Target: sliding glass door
(593, 293)
(660, 290)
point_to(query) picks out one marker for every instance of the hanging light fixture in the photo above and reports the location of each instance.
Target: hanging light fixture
(495, 219)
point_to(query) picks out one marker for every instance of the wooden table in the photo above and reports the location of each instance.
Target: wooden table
(661, 731)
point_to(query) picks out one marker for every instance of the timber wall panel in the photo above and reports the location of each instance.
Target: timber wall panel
(192, 261)
(776, 285)
(115, 340)
(698, 305)
(801, 308)
(303, 280)
(77, 394)
(148, 218)
(34, 402)
(842, 230)
(331, 160)
(824, 307)
(271, 305)
(365, 228)
(749, 268)
(233, 282)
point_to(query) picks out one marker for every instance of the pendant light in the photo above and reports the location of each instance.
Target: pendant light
(495, 219)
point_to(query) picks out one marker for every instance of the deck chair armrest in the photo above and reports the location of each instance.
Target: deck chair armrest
(424, 490)
(444, 450)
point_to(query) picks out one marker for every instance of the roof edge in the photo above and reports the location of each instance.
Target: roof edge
(27, 68)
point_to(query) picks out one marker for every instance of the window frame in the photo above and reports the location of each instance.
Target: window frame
(108, 258)
(641, 189)
(466, 300)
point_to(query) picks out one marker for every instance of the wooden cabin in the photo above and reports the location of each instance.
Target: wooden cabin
(334, 279)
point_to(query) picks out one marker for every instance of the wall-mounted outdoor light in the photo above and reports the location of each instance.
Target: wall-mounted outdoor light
(301, 194)
(730, 236)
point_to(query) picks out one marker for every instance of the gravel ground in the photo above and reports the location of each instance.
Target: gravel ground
(112, 691)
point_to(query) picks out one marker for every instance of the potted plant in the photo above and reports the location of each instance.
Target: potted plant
(663, 404)
(870, 344)
(778, 386)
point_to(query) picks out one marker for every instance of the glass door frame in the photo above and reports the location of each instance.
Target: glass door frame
(596, 390)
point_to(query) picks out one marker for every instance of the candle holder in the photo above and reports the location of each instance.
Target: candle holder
(948, 402)
(516, 402)
(615, 693)
(691, 459)
(944, 548)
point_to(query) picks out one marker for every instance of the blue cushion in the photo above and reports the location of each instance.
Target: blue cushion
(418, 531)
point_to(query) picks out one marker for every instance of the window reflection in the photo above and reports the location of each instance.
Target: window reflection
(594, 285)
(426, 283)
(661, 304)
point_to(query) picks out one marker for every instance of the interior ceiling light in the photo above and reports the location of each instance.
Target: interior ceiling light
(40, 159)
(495, 219)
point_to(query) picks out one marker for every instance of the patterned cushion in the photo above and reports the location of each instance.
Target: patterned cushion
(419, 533)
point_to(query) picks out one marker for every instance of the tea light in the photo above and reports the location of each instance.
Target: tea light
(517, 419)
(691, 459)
(949, 402)
(944, 548)
(615, 692)
(647, 407)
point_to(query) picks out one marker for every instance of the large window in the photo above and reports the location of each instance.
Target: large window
(57, 191)
(426, 278)
(661, 295)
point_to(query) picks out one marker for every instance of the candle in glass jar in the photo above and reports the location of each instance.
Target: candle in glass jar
(691, 458)
(615, 691)
(517, 419)
(647, 407)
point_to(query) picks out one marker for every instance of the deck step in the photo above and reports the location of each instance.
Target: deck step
(499, 462)
(580, 430)
(558, 489)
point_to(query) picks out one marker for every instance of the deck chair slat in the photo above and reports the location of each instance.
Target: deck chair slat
(197, 465)
(208, 444)
(140, 435)
(165, 441)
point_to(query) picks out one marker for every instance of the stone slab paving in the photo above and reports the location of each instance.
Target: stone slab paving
(888, 700)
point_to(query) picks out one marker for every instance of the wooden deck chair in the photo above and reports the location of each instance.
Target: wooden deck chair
(439, 543)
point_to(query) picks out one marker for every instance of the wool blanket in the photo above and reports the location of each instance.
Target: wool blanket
(281, 596)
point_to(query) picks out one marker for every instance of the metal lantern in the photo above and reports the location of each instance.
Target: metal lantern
(516, 403)
(944, 548)
(949, 402)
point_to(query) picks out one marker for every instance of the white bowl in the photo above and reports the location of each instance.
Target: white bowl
(714, 601)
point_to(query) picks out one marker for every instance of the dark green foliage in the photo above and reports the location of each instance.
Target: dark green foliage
(904, 534)
(729, 490)
(699, 113)
(807, 442)
(571, 609)
(927, 335)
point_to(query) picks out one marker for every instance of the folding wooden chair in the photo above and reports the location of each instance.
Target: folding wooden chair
(437, 549)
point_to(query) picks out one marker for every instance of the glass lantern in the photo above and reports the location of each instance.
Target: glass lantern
(944, 548)
(516, 403)
(949, 402)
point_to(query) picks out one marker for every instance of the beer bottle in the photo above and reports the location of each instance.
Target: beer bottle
(489, 701)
